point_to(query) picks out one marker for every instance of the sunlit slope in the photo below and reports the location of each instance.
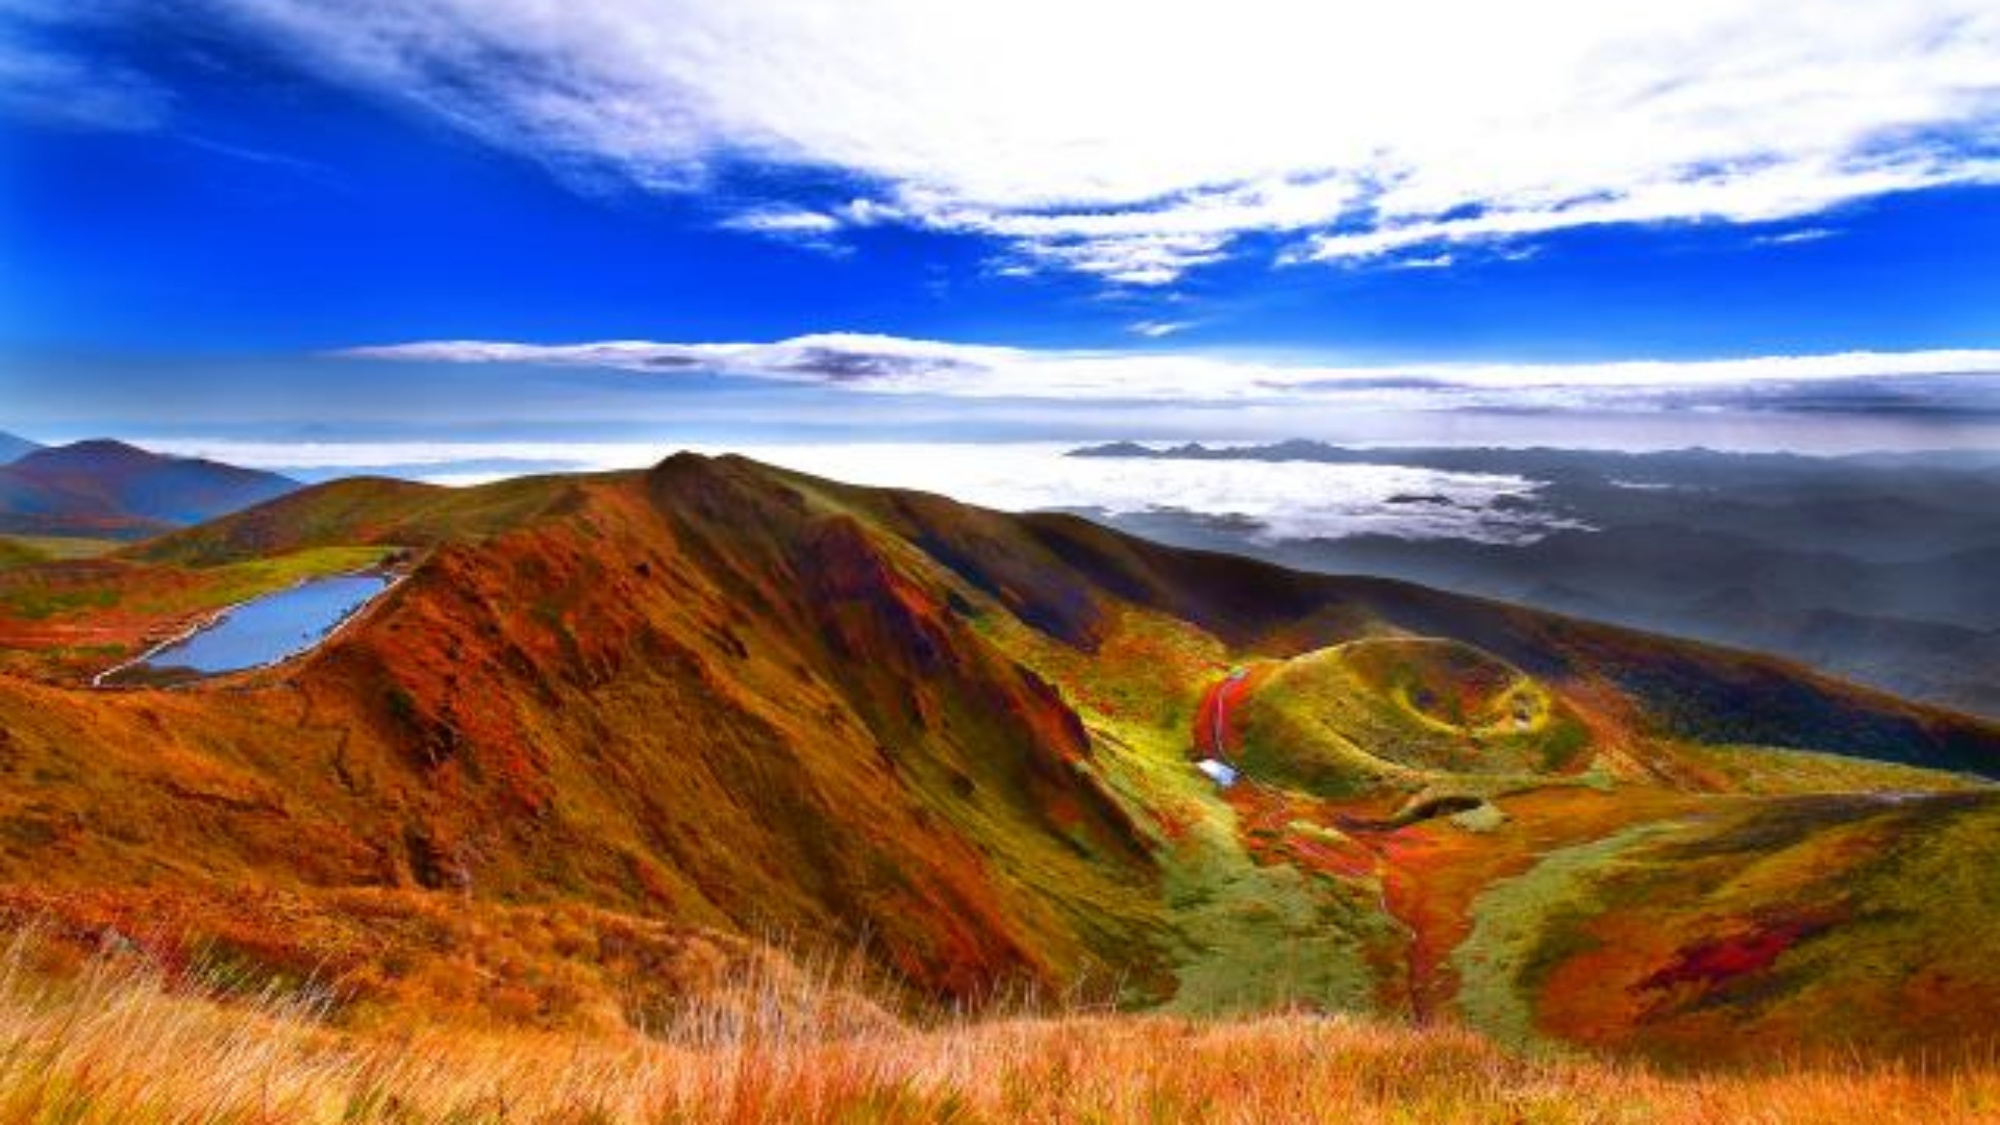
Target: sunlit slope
(1822, 923)
(684, 693)
(365, 510)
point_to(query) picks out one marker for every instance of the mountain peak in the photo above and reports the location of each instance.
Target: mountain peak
(102, 486)
(90, 451)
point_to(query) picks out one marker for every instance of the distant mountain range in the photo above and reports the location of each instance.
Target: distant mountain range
(1884, 568)
(110, 489)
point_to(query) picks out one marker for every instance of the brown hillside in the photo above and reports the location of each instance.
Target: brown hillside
(687, 694)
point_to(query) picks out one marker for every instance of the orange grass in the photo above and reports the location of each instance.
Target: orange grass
(120, 1044)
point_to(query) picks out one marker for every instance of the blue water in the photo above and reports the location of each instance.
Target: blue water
(273, 627)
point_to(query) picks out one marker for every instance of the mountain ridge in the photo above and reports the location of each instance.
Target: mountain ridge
(1134, 568)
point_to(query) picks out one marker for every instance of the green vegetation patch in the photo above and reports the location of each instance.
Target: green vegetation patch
(1243, 936)
(1819, 921)
(30, 550)
(61, 547)
(1778, 771)
(1404, 713)
(1251, 936)
(1523, 926)
(14, 553)
(248, 579)
(362, 510)
(1481, 818)
(58, 591)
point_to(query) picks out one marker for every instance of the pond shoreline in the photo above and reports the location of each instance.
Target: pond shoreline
(391, 571)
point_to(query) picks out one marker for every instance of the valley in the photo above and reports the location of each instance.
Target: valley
(1877, 567)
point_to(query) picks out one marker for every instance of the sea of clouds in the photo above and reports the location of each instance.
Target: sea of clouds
(1274, 501)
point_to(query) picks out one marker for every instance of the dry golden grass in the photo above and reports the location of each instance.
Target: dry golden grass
(118, 1044)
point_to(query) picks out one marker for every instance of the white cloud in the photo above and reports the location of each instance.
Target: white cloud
(1159, 329)
(448, 457)
(1793, 237)
(45, 77)
(1291, 500)
(1133, 141)
(796, 226)
(1760, 194)
(1128, 259)
(894, 365)
(784, 221)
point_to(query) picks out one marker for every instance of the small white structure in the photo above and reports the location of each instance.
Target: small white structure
(1222, 773)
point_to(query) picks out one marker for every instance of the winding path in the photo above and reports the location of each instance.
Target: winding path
(1218, 726)
(1421, 960)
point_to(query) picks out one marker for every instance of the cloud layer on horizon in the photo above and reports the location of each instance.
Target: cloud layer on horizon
(897, 366)
(1134, 141)
(1298, 500)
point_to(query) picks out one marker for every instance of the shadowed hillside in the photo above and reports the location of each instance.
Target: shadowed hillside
(1880, 567)
(744, 704)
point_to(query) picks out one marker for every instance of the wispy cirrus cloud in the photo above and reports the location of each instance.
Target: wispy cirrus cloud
(44, 76)
(784, 222)
(896, 366)
(793, 226)
(1766, 192)
(1794, 237)
(1134, 142)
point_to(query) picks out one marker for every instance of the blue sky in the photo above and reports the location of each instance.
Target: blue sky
(206, 204)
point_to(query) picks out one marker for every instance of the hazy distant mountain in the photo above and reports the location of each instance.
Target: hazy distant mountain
(13, 448)
(112, 489)
(1883, 568)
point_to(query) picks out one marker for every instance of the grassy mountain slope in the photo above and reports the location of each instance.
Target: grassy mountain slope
(1383, 711)
(750, 704)
(1807, 920)
(16, 552)
(679, 693)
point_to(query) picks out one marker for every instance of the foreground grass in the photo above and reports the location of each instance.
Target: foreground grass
(117, 1045)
